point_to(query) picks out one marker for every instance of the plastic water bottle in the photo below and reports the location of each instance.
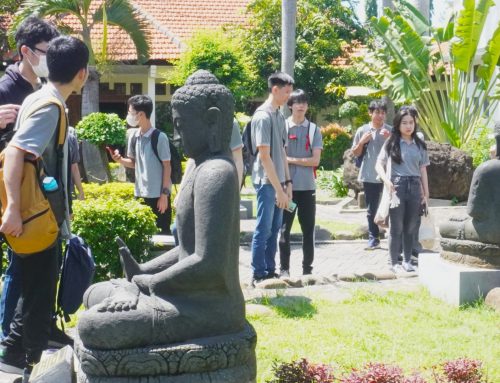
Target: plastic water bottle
(49, 184)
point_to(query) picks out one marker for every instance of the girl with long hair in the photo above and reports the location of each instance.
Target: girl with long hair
(408, 179)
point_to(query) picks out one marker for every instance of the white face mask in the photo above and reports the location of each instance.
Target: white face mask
(41, 70)
(132, 120)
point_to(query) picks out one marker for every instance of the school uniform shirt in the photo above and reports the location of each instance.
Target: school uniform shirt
(299, 146)
(413, 157)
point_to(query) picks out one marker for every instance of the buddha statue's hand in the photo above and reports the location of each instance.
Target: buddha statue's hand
(143, 281)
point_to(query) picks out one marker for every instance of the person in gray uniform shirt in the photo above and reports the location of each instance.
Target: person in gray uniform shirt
(408, 179)
(367, 142)
(303, 154)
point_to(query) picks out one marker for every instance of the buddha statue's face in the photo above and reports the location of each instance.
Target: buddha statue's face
(190, 125)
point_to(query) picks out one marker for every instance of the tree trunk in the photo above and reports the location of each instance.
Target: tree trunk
(95, 170)
(288, 27)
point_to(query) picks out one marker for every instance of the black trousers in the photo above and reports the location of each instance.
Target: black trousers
(163, 220)
(306, 210)
(30, 327)
(373, 191)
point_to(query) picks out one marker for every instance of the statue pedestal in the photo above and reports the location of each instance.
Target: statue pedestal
(454, 283)
(220, 359)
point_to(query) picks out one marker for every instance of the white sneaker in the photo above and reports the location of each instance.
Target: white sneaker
(407, 266)
(284, 274)
(396, 269)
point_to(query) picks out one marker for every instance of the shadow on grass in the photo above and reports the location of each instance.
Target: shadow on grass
(290, 306)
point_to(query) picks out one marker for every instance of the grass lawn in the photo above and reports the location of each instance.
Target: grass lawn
(412, 330)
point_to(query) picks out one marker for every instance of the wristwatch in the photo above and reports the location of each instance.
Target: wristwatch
(165, 191)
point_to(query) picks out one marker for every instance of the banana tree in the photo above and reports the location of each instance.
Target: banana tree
(453, 82)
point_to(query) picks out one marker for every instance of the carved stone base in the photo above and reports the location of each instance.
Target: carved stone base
(221, 359)
(471, 253)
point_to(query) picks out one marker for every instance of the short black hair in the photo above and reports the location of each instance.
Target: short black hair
(66, 56)
(411, 109)
(33, 31)
(141, 103)
(377, 105)
(298, 96)
(279, 79)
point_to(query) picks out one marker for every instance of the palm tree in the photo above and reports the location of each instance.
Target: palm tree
(90, 14)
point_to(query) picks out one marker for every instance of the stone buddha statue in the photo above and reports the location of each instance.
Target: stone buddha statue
(475, 239)
(192, 291)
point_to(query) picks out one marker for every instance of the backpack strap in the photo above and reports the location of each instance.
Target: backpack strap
(154, 142)
(310, 132)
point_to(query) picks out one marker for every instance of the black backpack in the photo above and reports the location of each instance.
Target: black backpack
(175, 157)
(76, 276)
(249, 154)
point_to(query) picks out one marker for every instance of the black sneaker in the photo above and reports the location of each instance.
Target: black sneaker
(58, 338)
(12, 362)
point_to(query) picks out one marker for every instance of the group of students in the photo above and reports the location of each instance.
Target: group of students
(404, 148)
(283, 176)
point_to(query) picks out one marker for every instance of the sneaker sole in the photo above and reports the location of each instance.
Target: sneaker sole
(10, 369)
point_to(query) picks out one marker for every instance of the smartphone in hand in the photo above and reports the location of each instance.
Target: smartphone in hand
(291, 206)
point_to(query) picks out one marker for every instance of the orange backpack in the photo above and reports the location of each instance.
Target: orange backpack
(40, 228)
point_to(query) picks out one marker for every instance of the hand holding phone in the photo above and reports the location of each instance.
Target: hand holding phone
(291, 206)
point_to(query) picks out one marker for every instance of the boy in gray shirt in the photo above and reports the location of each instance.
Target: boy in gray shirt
(270, 175)
(369, 140)
(35, 137)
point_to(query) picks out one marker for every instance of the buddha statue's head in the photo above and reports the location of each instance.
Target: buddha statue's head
(202, 112)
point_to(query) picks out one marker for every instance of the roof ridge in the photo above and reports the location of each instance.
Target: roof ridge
(158, 26)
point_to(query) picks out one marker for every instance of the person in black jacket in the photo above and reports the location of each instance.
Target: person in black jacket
(23, 78)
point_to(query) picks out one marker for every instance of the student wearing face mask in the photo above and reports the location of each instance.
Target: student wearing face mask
(152, 170)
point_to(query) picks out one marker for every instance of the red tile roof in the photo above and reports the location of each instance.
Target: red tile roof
(169, 24)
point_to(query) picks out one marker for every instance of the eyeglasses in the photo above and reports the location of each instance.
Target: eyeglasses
(41, 51)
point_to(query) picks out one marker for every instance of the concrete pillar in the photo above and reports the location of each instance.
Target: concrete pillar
(152, 90)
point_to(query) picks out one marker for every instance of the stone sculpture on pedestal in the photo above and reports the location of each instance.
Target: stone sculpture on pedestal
(474, 240)
(181, 316)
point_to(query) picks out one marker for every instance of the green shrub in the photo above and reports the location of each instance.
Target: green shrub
(332, 182)
(121, 190)
(100, 220)
(336, 140)
(102, 128)
(479, 146)
(348, 109)
(362, 117)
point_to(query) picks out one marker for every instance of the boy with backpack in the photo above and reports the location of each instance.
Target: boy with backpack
(367, 143)
(40, 135)
(149, 154)
(303, 154)
(270, 175)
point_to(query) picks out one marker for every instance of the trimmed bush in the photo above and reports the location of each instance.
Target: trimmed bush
(336, 140)
(302, 372)
(121, 190)
(102, 128)
(100, 220)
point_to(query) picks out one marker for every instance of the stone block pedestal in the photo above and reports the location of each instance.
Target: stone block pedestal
(219, 359)
(453, 283)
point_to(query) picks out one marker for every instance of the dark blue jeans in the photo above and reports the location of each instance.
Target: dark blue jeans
(373, 191)
(405, 218)
(265, 236)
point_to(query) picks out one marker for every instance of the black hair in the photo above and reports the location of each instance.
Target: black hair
(33, 31)
(66, 56)
(141, 103)
(393, 146)
(279, 79)
(298, 96)
(377, 105)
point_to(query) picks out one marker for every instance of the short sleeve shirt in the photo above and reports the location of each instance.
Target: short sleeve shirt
(367, 171)
(36, 135)
(266, 121)
(148, 170)
(413, 158)
(236, 142)
(299, 146)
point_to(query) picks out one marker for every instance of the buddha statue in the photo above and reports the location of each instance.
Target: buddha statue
(474, 239)
(192, 291)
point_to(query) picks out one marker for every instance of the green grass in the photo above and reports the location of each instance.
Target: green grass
(412, 330)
